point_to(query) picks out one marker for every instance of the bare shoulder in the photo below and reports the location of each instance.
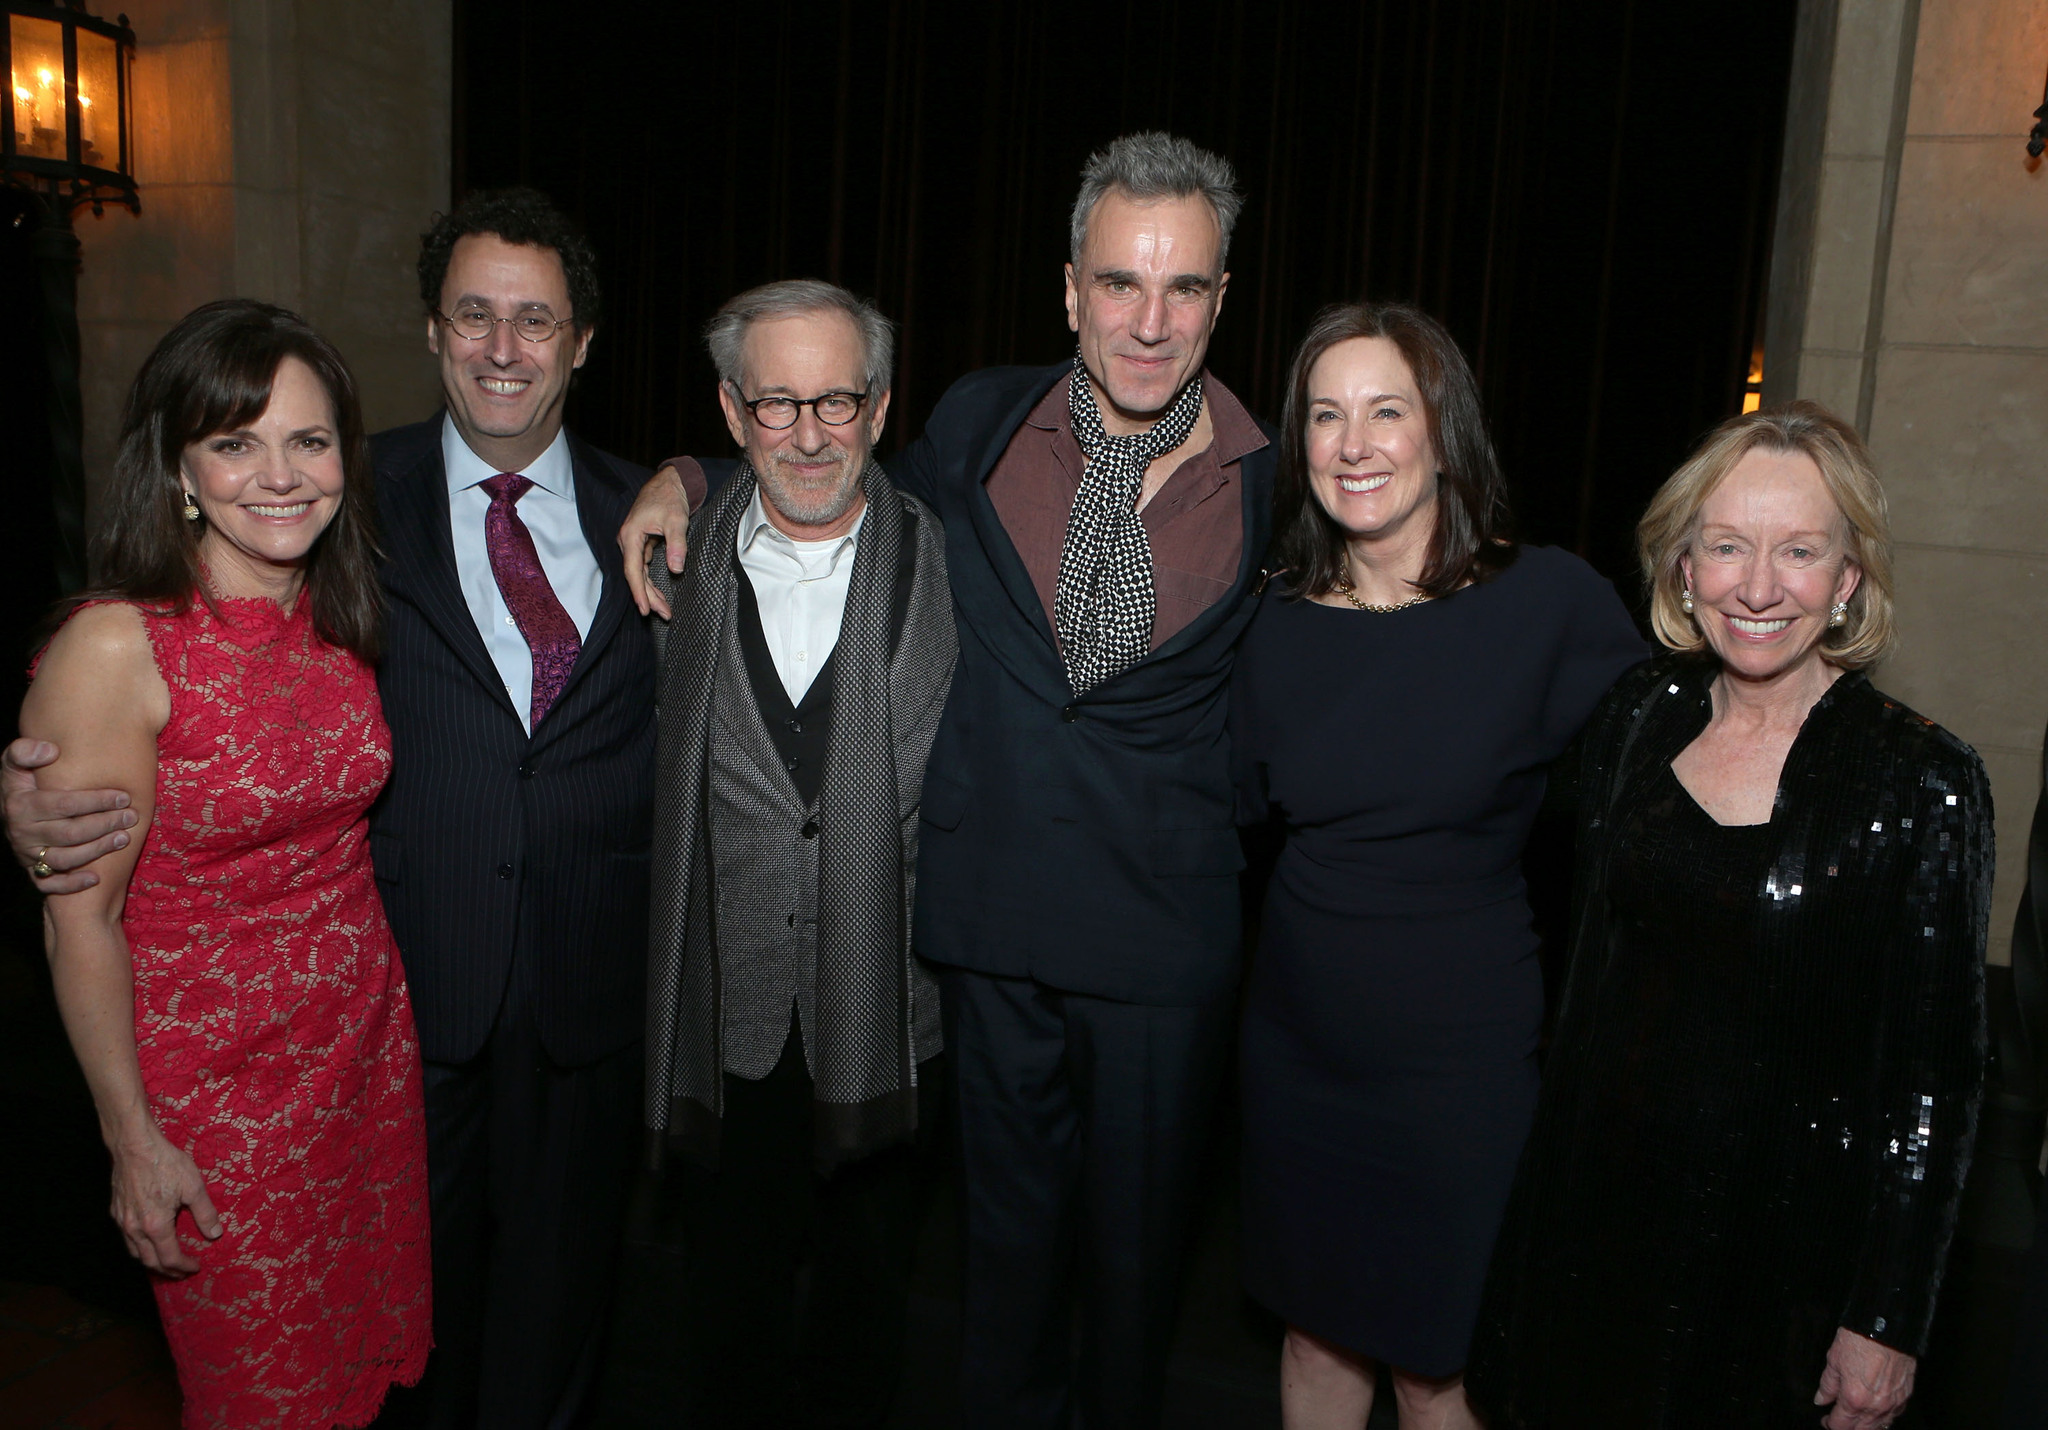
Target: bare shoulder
(98, 676)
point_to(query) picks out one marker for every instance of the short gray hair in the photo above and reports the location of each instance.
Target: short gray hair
(1157, 165)
(726, 334)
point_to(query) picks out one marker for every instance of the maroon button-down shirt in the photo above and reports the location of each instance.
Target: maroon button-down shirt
(1195, 522)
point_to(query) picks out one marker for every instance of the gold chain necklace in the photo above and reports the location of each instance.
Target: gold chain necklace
(1345, 589)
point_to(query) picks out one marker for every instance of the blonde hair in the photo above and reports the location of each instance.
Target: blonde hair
(1672, 521)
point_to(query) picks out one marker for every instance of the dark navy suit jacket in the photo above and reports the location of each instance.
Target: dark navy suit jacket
(496, 851)
(1089, 843)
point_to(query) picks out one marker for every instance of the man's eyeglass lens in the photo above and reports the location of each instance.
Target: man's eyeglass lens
(834, 409)
(536, 325)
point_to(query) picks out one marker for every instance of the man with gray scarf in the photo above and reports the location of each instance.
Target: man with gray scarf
(802, 679)
(1106, 520)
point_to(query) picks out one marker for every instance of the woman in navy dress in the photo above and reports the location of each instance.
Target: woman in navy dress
(1397, 700)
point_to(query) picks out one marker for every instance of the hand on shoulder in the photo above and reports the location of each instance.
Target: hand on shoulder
(660, 514)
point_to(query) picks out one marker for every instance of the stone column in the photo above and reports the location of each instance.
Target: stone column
(289, 150)
(1909, 292)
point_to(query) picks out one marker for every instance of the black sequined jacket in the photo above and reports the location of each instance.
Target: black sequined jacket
(1831, 1194)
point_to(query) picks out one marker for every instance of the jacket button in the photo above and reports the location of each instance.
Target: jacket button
(795, 726)
(526, 771)
(810, 829)
(504, 871)
(791, 764)
(1070, 713)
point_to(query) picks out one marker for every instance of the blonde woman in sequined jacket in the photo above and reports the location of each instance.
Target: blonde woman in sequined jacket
(1756, 1117)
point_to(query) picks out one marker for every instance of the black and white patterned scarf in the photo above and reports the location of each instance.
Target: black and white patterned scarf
(1104, 604)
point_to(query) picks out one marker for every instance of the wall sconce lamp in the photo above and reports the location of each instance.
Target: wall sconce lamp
(66, 130)
(66, 138)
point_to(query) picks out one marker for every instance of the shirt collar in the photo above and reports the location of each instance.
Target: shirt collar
(552, 471)
(755, 526)
(1236, 432)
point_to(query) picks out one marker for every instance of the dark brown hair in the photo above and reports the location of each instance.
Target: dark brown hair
(213, 373)
(522, 216)
(1474, 536)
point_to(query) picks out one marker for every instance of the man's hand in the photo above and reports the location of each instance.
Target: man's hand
(62, 830)
(1868, 1383)
(660, 513)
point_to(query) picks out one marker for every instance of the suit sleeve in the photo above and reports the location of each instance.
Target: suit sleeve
(1600, 643)
(1931, 1056)
(1247, 745)
(915, 469)
(702, 477)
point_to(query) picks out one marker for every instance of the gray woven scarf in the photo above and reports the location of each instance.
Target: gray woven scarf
(884, 713)
(1104, 604)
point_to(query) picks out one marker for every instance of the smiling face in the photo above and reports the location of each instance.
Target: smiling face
(505, 394)
(267, 490)
(810, 472)
(1768, 562)
(1371, 463)
(1144, 299)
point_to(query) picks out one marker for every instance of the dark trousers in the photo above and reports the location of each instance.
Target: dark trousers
(2026, 1394)
(1081, 1123)
(528, 1164)
(797, 1280)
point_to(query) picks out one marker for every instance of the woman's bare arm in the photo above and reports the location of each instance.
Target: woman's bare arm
(61, 830)
(99, 697)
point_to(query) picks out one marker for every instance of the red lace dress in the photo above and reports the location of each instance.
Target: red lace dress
(273, 1027)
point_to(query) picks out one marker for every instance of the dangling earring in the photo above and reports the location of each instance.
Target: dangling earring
(1838, 614)
(191, 508)
(1685, 601)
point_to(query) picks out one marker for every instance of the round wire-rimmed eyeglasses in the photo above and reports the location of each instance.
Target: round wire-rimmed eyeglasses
(536, 325)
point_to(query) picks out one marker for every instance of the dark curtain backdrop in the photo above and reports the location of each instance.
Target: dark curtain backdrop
(1581, 190)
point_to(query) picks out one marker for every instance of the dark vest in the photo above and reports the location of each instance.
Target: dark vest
(762, 836)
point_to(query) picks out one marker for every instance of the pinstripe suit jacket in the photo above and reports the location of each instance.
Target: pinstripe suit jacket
(499, 854)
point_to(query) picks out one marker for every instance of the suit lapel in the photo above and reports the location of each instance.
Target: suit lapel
(995, 540)
(600, 509)
(421, 568)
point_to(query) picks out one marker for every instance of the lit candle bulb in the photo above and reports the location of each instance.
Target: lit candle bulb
(48, 103)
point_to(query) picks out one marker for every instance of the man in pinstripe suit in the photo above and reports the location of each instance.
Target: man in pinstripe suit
(511, 845)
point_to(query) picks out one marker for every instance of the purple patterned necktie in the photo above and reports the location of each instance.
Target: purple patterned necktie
(549, 632)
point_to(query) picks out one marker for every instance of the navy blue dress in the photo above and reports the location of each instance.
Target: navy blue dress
(1388, 1055)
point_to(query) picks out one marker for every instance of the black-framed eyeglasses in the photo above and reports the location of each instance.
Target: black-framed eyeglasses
(779, 414)
(476, 322)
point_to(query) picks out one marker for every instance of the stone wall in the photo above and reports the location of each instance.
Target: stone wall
(290, 150)
(1910, 292)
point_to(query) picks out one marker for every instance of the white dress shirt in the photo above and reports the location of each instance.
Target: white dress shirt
(548, 510)
(800, 587)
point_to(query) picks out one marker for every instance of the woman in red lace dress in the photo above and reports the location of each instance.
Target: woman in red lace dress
(229, 985)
